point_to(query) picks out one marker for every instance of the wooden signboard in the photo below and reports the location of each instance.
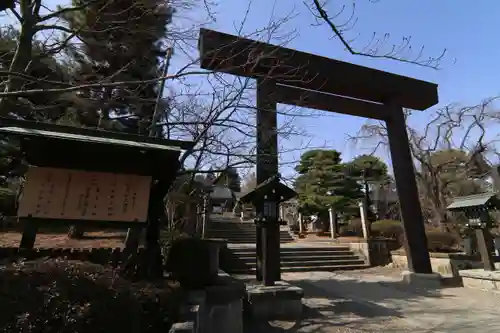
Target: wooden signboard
(80, 195)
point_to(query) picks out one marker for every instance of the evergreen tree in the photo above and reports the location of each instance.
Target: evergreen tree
(325, 182)
(370, 171)
(122, 40)
(40, 107)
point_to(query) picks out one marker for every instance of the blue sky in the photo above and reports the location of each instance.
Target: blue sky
(468, 30)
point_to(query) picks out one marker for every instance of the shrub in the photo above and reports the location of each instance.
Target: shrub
(189, 261)
(61, 296)
(440, 241)
(387, 228)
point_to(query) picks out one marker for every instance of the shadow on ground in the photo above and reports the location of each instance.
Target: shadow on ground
(339, 303)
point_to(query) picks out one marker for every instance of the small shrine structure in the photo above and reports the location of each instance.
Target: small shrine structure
(93, 177)
(476, 209)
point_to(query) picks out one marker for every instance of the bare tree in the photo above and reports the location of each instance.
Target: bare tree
(342, 23)
(449, 152)
(216, 114)
(250, 182)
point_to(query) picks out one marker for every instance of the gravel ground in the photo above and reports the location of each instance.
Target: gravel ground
(375, 300)
(91, 239)
(326, 312)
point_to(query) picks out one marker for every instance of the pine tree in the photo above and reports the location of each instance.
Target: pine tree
(122, 39)
(40, 107)
(325, 182)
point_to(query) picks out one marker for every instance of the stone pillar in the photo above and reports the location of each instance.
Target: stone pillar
(411, 212)
(484, 249)
(331, 214)
(300, 222)
(268, 245)
(364, 222)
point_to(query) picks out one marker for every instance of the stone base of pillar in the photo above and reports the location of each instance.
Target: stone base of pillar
(281, 301)
(422, 281)
(481, 279)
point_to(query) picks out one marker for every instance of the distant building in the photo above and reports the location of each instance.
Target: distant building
(222, 198)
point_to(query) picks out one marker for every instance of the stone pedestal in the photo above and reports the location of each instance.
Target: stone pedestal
(420, 280)
(215, 309)
(281, 301)
(481, 279)
(184, 327)
(224, 306)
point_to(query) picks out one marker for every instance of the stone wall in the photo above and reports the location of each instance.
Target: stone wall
(377, 252)
(446, 264)
(481, 279)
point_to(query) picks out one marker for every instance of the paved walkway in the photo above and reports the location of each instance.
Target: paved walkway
(367, 301)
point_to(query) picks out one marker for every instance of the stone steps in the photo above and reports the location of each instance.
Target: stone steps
(239, 257)
(326, 268)
(242, 260)
(298, 251)
(312, 263)
(295, 258)
(237, 232)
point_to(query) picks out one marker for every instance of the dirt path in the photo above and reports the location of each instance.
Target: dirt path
(46, 240)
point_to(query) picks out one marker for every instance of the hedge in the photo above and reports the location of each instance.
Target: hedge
(387, 228)
(440, 241)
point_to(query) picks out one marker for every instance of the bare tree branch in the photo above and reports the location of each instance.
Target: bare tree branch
(374, 49)
(450, 147)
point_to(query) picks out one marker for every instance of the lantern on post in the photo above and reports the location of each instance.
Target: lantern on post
(270, 194)
(476, 209)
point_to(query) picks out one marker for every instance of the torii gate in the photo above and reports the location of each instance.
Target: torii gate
(291, 77)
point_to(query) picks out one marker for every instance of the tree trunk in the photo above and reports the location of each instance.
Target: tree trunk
(21, 59)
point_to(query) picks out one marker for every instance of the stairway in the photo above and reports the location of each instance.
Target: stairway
(239, 256)
(241, 259)
(237, 232)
